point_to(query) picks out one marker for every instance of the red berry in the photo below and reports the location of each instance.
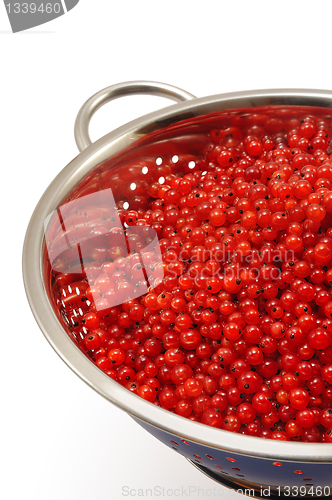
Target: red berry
(299, 398)
(211, 417)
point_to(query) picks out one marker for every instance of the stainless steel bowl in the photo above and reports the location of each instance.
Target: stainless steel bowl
(237, 461)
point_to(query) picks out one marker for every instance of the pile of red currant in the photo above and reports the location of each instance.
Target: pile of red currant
(226, 317)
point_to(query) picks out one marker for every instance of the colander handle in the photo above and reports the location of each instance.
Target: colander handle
(95, 102)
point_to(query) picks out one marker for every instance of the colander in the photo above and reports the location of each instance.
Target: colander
(116, 168)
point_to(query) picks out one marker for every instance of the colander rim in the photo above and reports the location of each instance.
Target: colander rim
(33, 247)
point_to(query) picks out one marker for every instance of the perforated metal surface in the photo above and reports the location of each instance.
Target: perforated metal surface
(249, 470)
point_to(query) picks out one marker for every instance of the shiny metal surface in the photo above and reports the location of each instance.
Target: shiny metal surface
(93, 155)
(256, 490)
(108, 94)
(233, 469)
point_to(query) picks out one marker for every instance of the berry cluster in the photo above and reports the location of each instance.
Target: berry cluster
(226, 317)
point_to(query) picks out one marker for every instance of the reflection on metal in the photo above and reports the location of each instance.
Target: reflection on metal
(75, 232)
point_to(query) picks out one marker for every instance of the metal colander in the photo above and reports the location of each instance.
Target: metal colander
(120, 165)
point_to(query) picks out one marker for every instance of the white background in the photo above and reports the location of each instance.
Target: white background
(59, 439)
